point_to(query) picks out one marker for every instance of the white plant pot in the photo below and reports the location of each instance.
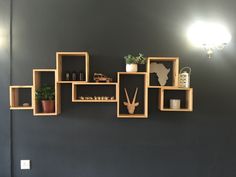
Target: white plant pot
(131, 67)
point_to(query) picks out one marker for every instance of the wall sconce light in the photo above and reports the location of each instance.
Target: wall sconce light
(210, 36)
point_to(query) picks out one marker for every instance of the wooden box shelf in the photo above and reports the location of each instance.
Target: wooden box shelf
(98, 92)
(45, 77)
(20, 95)
(72, 62)
(184, 94)
(129, 85)
(131, 81)
(169, 62)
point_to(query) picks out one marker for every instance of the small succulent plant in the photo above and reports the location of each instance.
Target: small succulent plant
(131, 59)
(45, 93)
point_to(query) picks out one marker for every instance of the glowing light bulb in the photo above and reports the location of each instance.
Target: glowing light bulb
(211, 36)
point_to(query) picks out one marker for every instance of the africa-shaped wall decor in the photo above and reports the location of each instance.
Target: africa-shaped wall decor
(161, 72)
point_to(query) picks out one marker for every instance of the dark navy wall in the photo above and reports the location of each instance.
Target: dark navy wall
(87, 140)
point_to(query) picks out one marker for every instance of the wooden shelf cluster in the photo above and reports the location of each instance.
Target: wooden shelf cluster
(172, 87)
(114, 91)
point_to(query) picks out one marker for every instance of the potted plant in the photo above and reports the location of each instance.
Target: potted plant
(133, 61)
(46, 95)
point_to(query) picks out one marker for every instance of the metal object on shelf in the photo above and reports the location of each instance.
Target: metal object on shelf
(184, 77)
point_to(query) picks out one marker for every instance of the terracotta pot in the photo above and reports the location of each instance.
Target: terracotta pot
(131, 67)
(48, 106)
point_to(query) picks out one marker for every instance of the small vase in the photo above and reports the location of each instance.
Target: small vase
(131, 67)
(48, 106)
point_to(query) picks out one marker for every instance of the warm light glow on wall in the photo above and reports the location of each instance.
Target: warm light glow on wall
(3, 38)
(209, 35)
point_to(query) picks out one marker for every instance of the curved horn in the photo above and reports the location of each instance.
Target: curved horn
(127, 96)
(135, 95)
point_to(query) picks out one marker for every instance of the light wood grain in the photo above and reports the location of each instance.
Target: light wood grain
(95, 83)
(59, 56)
(37, 84)
(188, 97)
(131, 116)
(175, 68)
(145, 114)
(75, 88)
(14, 97)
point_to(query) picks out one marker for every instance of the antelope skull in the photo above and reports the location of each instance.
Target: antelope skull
(131, 106)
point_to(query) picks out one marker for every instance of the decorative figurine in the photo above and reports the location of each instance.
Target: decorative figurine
(112, 98)
(81, 98)
(74, 77)
(98, 77)
(131, 106)
(161, 72)
(97, 98)
(67, 76)
(26, 105)
(81, 76)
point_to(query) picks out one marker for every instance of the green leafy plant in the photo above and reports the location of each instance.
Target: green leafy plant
(45, 93)
(131, 59)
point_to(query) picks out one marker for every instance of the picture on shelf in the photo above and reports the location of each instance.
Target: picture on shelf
(161, 72)
(131, 105)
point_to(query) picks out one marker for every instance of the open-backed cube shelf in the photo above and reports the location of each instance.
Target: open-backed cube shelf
(131, 81)
(94, 92)
(130, 92)
(20, 97)
(184, 94)
(68, 62)
(45, 77)
(171, 63)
